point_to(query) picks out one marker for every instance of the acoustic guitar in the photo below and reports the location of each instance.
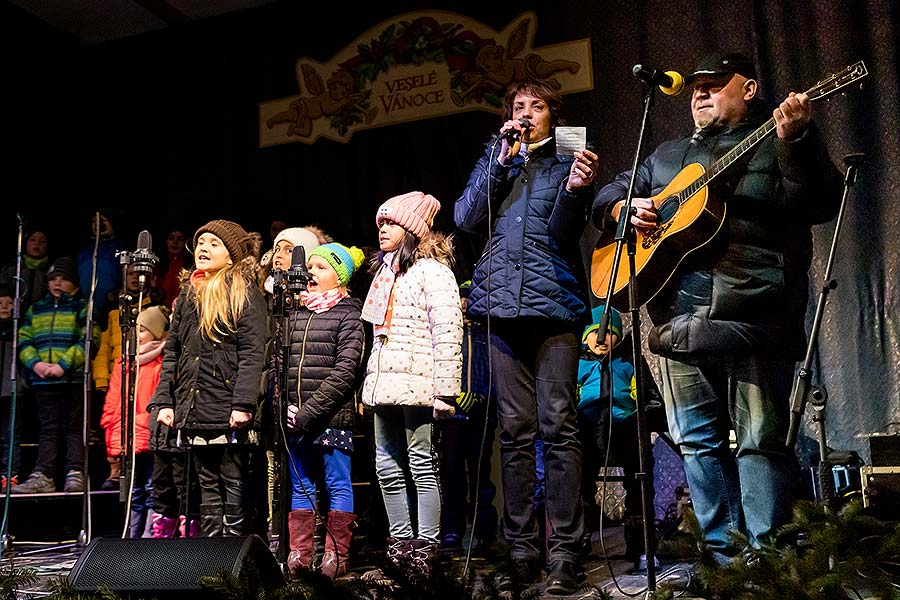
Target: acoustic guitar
(688, 217)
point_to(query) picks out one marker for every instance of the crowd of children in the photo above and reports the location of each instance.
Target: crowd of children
(207, 362)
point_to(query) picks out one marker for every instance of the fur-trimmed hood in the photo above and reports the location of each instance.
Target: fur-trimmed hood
(437, 246)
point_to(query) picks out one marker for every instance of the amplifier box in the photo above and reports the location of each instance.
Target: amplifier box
(881, 492)
(884, 449)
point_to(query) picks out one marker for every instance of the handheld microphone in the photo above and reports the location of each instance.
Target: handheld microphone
(513, 135)
(670, 82)
(143, 260)
(297, 276)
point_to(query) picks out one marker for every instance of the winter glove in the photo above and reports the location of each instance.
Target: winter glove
(467, 401)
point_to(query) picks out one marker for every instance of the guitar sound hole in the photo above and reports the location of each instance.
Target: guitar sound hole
(667, 209)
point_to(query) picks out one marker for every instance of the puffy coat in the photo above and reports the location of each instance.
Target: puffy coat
(205, 380)
(535, 263)
(330, 345)
(421, 357)
(748, 289)
(111, 420)
(53, 331)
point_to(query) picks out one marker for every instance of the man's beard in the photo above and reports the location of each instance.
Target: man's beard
(707, 127)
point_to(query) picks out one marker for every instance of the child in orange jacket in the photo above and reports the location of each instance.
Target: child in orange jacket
(152, 325)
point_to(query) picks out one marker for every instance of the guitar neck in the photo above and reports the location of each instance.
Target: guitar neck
(761, 133)
(822, 89)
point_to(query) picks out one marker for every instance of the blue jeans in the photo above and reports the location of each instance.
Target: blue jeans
(307, 461)
(403, 446)
(751, 489)
(142, 494)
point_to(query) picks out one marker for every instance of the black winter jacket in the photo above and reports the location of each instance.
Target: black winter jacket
(536, 269)
(747, 290)
(330, 345)
(205, 380)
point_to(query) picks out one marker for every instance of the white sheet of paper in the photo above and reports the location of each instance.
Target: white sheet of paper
(570, 139)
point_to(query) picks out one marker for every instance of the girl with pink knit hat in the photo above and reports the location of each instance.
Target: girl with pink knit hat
(414, 371)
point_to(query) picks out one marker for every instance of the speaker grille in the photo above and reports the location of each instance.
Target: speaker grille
(142, 565)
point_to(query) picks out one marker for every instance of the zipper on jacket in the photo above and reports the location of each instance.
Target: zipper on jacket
(378, 369)
(52, 326)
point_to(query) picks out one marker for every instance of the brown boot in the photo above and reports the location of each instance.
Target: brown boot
(301, 532)
(337, 543)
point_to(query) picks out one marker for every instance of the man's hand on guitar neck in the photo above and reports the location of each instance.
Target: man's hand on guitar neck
(643, 215)
(792, 117)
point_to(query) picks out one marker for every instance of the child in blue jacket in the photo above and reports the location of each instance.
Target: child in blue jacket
(607, 391)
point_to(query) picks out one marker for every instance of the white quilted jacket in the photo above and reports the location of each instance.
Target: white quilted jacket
(422, 355)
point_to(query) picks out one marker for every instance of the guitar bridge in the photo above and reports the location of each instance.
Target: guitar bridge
(652, 237)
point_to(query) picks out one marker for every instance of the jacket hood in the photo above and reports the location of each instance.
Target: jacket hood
(437, 246)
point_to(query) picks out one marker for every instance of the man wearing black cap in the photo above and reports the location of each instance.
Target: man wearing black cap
(729, 324)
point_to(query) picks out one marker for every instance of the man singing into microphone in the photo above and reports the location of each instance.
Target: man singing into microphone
(729, 324)
(532, 204)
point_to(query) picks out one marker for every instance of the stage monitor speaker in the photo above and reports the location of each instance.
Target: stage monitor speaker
(171, 567)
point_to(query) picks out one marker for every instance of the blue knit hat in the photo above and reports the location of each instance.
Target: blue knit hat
(615, 322)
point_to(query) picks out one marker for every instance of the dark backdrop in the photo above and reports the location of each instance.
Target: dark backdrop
(162, 128)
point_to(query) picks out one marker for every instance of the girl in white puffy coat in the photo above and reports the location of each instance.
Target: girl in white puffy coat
(414, 371)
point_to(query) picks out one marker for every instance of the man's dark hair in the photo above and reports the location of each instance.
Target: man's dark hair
(538, 89)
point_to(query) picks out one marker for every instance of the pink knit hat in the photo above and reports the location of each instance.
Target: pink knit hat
(414, 212)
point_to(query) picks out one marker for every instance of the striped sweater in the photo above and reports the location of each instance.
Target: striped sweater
(53, 331)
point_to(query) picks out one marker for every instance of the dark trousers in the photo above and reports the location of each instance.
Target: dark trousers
(222, 470)
(60, 410)
(535, 364)
(176, 490)
(624, 452)
(460, 443)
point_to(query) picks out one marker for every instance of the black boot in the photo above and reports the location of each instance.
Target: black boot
(237, 521)
(211, 520)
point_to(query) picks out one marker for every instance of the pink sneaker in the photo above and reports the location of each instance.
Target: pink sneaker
(188, 529)
(164, 527)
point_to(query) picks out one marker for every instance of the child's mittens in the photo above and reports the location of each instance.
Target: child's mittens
(293, 423)
(443, 407)
(466, 401)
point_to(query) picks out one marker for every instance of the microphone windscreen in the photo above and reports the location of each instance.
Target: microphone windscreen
(677, 84)
(144, 240)
(298, 256)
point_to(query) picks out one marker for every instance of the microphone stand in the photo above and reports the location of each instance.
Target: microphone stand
(128, 327)
(625, 234)
(281, 500)
(803, 387)
(5, 538)
(84, 536)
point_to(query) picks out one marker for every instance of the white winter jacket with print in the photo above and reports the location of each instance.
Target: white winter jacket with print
(421, 357)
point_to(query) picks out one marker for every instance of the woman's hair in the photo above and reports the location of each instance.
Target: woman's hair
(221, 299)
(406, 254)
(538, 89)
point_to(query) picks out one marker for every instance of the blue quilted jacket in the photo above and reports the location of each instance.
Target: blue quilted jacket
(532, 263)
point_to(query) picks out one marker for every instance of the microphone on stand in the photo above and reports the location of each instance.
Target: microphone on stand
(670, 82)
(297, 276)
(513, 135)
(143, 259)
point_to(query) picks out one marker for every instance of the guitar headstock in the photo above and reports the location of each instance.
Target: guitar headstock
(839, 80)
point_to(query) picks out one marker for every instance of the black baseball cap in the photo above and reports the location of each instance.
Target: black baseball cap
(719, 63)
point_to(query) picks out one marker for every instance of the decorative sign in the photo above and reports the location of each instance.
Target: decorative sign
(415, 66)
